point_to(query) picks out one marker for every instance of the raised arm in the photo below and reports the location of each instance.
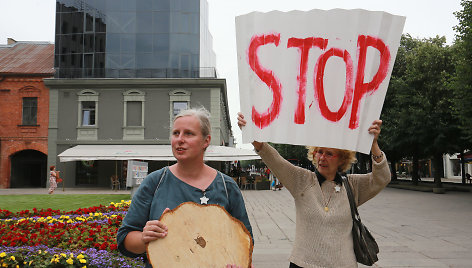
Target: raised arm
(374, 129)
(241, 123)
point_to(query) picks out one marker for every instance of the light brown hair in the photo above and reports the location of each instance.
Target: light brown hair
(347, 157)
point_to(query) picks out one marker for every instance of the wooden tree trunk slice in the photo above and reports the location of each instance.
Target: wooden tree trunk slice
(201, 236)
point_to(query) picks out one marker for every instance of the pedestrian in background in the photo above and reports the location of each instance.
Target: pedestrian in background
(53, 178)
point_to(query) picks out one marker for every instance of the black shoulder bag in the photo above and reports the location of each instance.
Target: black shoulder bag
(365, 247)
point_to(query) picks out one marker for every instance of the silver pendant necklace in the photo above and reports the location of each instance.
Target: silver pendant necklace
(204, 199)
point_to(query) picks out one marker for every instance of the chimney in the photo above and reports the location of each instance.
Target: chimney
(11, 41)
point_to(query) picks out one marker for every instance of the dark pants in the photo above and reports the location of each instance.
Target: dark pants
(293, 265)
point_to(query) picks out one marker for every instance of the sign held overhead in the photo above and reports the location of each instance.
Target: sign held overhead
(315, 78)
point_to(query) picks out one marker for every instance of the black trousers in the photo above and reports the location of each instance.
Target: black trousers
(293, 265)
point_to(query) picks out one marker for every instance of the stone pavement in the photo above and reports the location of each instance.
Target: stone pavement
(413, 229)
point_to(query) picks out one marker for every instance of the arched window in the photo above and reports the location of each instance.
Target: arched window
(87, 121)
(133, 118)
(179, 100)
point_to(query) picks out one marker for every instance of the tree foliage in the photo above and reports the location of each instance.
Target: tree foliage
(294, 153)
(463, 79)
(418, 112)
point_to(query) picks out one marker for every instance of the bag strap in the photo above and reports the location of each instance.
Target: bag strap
(224, 183)
(350, 195)
(160, 180)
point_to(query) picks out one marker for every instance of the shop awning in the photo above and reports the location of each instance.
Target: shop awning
(149, 152)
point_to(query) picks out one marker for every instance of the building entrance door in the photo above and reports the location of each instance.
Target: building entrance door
(28, 169)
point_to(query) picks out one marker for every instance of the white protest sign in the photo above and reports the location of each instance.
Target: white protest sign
(315, 78)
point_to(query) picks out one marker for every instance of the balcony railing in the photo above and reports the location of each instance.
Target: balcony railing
(202, 72)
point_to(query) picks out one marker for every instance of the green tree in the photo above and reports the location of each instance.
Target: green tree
(391, 139)
(462, 85)
(296, 154)
(419, 112)
(463, 78)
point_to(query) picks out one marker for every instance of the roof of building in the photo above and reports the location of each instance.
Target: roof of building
(27, 58)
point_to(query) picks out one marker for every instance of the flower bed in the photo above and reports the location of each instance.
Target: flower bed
(51, 238)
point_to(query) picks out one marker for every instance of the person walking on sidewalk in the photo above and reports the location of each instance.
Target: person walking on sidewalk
(53, 179)
(323, 234)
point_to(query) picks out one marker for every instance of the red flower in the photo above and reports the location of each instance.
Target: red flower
(104, 246)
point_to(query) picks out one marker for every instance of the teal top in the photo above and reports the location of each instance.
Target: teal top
(148, 204)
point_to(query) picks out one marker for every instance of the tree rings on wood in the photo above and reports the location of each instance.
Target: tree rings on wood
(201, 236)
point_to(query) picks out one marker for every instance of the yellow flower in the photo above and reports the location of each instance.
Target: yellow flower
(17, 266)
(12, 258)
(3, 254)
(70, 261)
(4, 265)
(83, 261)
(63, 255)
(85, 266)
(80, 256)
(30, 263)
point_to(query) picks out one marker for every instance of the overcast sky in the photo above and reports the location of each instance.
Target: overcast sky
(33, 20)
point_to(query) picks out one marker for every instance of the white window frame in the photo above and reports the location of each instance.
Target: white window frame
(133, 132)
(177, 95)
(87, 132)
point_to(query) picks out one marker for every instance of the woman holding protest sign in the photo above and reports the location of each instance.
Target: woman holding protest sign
(190, 179)
(323, 216)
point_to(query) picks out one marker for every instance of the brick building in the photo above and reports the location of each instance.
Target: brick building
(24, 113)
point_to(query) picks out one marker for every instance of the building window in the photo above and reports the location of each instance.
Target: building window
(456, 167)
(87, 121)
(179, 100)
(88, 113)
(179, 106)
(30, 111)
(134, 113)
(86, 173)
(133, 118)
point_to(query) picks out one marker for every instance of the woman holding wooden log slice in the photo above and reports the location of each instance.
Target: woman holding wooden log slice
(190, 179)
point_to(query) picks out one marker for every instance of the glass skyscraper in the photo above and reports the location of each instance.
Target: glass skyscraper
(133, 39)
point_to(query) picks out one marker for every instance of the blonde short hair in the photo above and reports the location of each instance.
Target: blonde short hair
(347, 157)
(202, 115)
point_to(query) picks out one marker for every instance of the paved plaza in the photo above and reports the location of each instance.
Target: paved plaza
(412, 228)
